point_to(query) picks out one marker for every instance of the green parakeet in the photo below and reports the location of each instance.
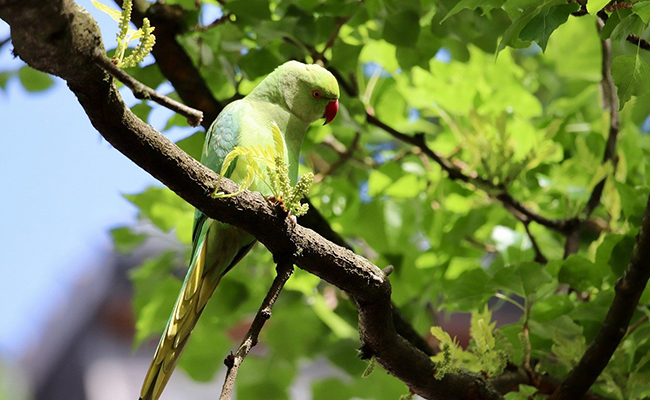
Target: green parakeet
(293, 96)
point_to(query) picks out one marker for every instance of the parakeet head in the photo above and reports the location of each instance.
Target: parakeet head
(310, 91)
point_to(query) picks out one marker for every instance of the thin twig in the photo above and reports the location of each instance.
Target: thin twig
(610, 103)
(539, 256)
(611, 7)
(233, 361)
(528, 348)
(488, 248)
(343, 158)
(637, 41)
(334, 36)
(141, 91)
(222, 19)
(636, 325)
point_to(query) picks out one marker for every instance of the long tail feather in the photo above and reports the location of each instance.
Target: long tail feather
(195, 293)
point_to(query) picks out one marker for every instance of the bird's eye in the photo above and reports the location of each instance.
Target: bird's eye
(316, 94)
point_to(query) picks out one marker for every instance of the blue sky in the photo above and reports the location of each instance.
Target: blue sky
(61, 193)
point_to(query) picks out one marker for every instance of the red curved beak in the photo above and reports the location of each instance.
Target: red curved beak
(330, 111)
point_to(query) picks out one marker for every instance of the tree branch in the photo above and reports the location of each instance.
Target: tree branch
(637, 41)
(144, 92)
(233, 361)
(333, 37)
(539, 256)
(610, 103)
(221, 20)
(57, 37)
(172, 59)
(628, 290)
(343, 158)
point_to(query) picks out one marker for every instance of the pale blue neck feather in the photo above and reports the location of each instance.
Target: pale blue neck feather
(292, 127)
(270, 96)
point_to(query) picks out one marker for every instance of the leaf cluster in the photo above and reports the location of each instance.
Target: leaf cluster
(127, 35)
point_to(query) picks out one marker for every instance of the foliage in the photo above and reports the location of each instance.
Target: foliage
(508, 93)
(126, 35)
(482, 354)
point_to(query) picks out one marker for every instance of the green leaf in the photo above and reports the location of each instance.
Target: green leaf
(186, 4)
(642, 9)
(267, 378)
(621, 255)
(125, 240)
(258, 62)
(524, 392)
(524, 279)
(469, 289)
(193, 144)
(580, 273)
(205, 351)
(406, 187)
(511, 35)
(156, 290)
(142, 110)
(34, 80)
(378, 385)
(338, 325)
(593, 6)
(166, 210)
(539, 29)
(630, 75)
(4, 78)
(249, 10)
(486, 5)
(630, 24)
(345, 56)
(403, 28)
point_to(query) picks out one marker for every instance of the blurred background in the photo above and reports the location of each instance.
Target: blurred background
(67, 326)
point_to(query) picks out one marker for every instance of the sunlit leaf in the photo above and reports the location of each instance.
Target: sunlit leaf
(34, 80)
(630, 75)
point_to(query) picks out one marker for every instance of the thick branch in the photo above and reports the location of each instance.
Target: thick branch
(144, 92)
(56, 36)
(628, 291)
(233, 361)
